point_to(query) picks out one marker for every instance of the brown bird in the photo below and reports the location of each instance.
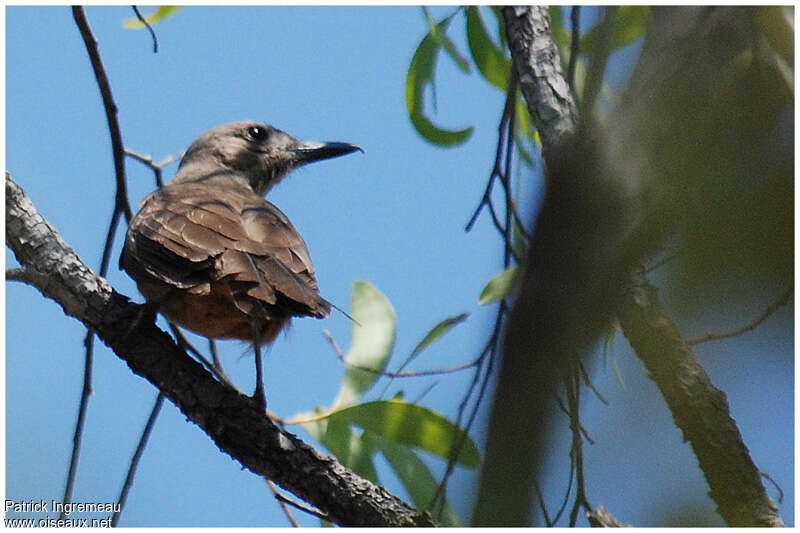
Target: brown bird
(212, 255)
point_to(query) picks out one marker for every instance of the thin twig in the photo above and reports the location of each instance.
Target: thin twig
(774, 484)
(184, 343)
(88, 343)
(147, 25)
(774, 306)
(212, 347)
(86, 391)
(399, 374)
(505, 178)
(574, 47)
(137, 455)
(147, 160)
(508, 110)
(110, 107)
(588, 381)
(542, 505)
(305, 508)
(573, 385)
(565, 499)
(281, 501)
(480, 379)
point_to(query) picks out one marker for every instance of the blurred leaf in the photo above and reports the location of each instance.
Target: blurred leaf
(500, 286)
(351, 449)
(438, 330)
(560, 34)
(777, 25)
(523, 119)
(525, 129)
(411, 424)
(630, 25)
(501, 26)
(445, 42)
(157, 16)
(417, 478)
(420, 74)
(373, 339)
(490, 59)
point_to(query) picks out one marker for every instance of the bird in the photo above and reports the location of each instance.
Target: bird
(212, 255)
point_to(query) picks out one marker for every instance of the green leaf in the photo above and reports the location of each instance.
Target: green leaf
(500, 286)
(157, 16)
(490, 59)
(501, 26)
(420, 74)
(523, 119)
(631, 24)
(438, 330)
(411, 424)
(416, 478)
(445, 42)
(374, 332)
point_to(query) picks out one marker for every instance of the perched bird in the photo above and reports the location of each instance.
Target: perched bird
(212, 255)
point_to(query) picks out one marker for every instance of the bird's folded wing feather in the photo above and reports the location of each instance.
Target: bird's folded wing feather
(192, 233)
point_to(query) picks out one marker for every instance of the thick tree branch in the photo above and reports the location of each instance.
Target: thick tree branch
(538, 66)
(700, 409)
(228, 417)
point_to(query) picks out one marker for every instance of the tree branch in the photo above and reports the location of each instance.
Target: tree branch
(700, 410)
(538, 66)
(228, 417)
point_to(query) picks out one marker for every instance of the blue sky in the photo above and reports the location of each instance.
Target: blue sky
(393, 216)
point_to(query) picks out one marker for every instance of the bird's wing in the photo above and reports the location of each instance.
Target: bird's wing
(189, 235)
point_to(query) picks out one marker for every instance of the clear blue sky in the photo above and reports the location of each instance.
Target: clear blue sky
(393, 216)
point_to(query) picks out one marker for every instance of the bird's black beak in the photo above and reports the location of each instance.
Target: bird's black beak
(309, 151)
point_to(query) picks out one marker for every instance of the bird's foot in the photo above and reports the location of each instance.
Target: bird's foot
(259, 399)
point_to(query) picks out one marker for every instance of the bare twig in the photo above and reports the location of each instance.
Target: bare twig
(573, 387)
(282, 502)
(774, 306)
(574, 46)
(399, 374)
(86, 391)
(147, 25)
(110, 108)
(148, 428)
(504, 130)
(147, 160)
(774, 484)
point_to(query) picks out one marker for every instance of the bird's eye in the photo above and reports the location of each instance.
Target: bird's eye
(257, 133)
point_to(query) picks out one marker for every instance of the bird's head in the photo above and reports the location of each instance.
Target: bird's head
(261, 154)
